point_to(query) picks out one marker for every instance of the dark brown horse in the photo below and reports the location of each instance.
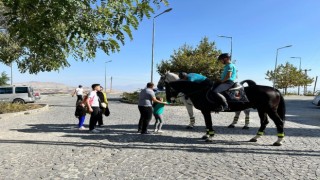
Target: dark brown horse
(267, 100)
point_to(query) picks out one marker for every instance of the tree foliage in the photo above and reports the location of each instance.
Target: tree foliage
(4, 79)
(201, 59)
(46, 33)
(287, 76)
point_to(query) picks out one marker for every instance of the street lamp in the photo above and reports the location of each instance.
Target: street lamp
(300, 70)
(231, 43)
(11, 74)
(305, 86)
(153, 40)
(275, 66)
(105, 75)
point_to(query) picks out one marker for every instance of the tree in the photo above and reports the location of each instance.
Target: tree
(46, 33)
(3, 79)
(288, 76)
(202, 59)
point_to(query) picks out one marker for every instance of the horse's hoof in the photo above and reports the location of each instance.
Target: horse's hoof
(277, 144)
(209, 139)
(189, 127)
(205, 137)
(231, 126)
(253, 140)
(245, 127)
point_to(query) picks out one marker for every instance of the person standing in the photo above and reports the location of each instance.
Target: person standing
(228, 77)
(146, 97)
(81, 112)
(103, 105)
(158, 115)
(79, 92)
(93, 105)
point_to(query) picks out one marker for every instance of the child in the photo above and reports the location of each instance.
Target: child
(157, 112)
(81, 113)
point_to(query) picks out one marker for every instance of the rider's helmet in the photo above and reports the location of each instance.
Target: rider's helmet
(182, 75)
(223, 55)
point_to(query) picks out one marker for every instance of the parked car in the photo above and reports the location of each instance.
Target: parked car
(37, 95)
(316, 100)
(17, 94)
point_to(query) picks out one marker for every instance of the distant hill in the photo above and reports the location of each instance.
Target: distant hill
(53, 87)
(37, 84)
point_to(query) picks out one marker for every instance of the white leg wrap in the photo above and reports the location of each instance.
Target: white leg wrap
(280, 139)
(257, 137)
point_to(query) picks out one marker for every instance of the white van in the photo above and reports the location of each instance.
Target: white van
(17, 94)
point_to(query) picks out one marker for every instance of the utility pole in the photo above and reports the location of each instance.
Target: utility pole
(305, 86)
(111, 84)
(315, 85)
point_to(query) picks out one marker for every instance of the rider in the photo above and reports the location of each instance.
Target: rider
(194, 77)
(228, 77)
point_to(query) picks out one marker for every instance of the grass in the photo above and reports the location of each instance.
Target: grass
(15, 107)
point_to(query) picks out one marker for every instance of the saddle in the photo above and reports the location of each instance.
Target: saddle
(234, 94)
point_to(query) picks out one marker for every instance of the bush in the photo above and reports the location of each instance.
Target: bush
(133, 98)
(15, 107)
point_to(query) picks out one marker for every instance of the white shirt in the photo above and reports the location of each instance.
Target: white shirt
(93, 99)
(79, 91)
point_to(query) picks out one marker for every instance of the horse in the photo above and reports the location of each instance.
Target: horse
(267, 100)
(169, 77)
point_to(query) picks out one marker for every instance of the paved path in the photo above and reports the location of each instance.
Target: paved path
(47, 145)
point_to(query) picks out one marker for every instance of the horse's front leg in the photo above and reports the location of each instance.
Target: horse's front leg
(208, 121)
(263, 124)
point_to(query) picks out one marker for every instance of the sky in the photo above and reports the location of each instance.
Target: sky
(257, 28)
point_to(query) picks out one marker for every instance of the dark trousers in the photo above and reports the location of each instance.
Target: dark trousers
(95, 115)
(218, 88)
(100, 120)
(145, 117)
(79, 98)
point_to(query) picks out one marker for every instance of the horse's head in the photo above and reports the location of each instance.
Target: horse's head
(163, 83)
(165, 79)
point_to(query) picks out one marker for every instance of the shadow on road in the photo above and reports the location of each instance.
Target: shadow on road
(151, 142)
(132, 128)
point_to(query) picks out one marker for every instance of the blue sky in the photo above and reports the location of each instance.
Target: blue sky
(258, 28)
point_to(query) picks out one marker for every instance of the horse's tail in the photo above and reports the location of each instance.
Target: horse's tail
(249, 82)
(282, 107)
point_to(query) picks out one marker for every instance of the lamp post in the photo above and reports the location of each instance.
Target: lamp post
(299, 69)
(105, 75)
(275, 66)
(153, 40)
(11, 74)
(229, 37)
(305, 86)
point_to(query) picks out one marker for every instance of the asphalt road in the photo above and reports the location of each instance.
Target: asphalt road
(47, 145)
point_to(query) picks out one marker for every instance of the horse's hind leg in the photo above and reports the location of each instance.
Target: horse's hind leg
(280, 126)
(208, 121)
(263, 124)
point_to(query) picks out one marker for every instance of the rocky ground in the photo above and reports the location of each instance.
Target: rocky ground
(47, 145)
